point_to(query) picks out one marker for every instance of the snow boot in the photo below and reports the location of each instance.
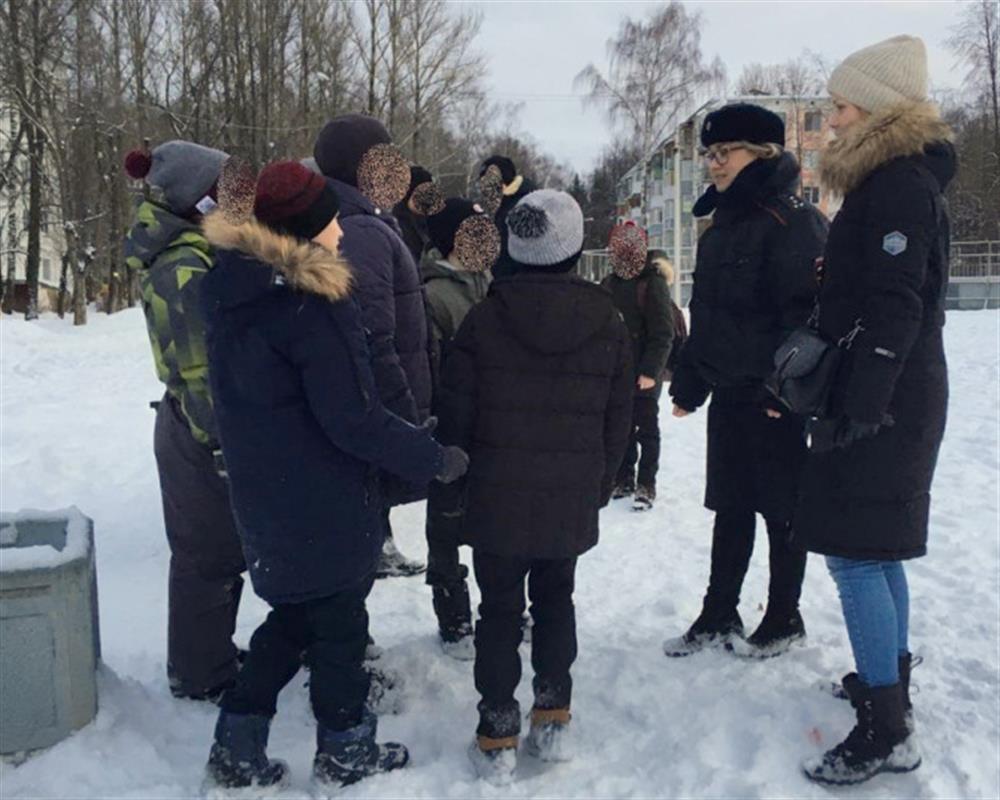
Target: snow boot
(454, 614)
(372, 651)
(645, 496)
(385, 693)
(880, 741)
(238, 758)
(624, 487)
(393, 564)
(711, 629)
(346, 757)
(494, 759)
(775, 635)
(847, 688)
(548, 737)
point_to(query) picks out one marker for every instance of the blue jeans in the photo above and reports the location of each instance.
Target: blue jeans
(876, 603)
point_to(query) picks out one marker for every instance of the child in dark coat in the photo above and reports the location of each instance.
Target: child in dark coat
(642, 295)
(304, 434)
(538, 388)
(469, 243)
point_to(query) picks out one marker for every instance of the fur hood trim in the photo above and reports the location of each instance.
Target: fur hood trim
(903, 130)
(514, 186)
(306, 266)
(664, 267)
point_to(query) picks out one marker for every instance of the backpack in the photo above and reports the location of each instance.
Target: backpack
(680, 329)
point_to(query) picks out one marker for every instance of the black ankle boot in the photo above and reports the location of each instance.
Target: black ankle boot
(775, 635)
(880, 741)
(713, 628)
(238, 758)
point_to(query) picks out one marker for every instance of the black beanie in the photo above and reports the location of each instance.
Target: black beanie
(344, 141)
(418, 175)
(743, 122)
(507, 169)
(443, 225)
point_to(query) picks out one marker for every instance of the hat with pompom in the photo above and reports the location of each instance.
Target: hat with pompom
(292, 199)
(546, 231)
(179, 173)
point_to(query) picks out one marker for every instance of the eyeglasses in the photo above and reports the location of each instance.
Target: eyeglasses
(719, 153)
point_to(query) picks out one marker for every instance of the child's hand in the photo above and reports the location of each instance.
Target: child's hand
(645, 382)
(680, 412)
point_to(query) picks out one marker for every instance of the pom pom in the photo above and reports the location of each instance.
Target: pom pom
(477, 243)
(428, 198)
(138, 163)
(527, 221)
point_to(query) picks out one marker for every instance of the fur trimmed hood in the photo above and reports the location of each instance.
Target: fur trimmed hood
(905, 130)
(305, 266)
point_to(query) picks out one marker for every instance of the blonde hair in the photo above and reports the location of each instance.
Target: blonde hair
(768, 150)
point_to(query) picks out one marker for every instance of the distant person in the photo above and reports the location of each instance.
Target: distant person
(538, 389)
(754, 282)
(302, 428)
(469, 243)
(865, 496)
(642, 296)
(504, 188)
(167, 250)
(411, 216)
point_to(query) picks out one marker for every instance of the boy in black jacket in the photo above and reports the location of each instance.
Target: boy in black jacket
(538, 385)
(641, 294)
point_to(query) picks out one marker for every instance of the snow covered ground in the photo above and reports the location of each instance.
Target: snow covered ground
(77, 429)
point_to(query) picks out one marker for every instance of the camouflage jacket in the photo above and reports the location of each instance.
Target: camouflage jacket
(171, 257)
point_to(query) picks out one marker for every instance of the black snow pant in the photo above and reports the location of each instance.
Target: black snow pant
(732, 546)
(498, 635)
(333, 633)
(206, 559)
(645, 435)
(445, 573)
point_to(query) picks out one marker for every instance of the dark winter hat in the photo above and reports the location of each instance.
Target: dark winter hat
(627, 246)
(179, 173)
(546, 230)
(507, 169)
(344, 141)
(292, 199)
(418, 175)
(743, 122)
(464, 228)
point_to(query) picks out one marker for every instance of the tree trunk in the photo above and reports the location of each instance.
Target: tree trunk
(10, 283)
(82, 269)
(61, 307)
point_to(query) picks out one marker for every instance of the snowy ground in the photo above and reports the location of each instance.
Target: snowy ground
(77, 429)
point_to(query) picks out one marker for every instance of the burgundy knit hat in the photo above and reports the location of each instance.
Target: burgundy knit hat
(293, 199)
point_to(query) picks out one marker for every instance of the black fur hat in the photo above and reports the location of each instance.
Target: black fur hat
(743, 122)
(507, 169)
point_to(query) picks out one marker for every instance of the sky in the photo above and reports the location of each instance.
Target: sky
(535, 49)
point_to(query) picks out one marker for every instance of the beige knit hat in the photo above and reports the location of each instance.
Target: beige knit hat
(883, 75)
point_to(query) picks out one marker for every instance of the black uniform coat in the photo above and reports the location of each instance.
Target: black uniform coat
(886, 264)
(298, 413)
(538, 388)
(754, 282)
(644, 303)
(506, 266)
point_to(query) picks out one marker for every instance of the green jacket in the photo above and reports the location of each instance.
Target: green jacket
(451, 293)
(171, 257)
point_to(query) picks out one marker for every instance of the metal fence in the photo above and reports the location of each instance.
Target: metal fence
(974, 280)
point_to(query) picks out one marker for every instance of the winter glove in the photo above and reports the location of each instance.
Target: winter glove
(219, 462)
(454, 463)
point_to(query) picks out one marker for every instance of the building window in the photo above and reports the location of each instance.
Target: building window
(687, 169)
(810, 159)
(47, 270)
(656, 216)
(811, 193)
(814, 121)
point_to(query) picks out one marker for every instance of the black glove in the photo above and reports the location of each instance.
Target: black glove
(454, 463)
(219, 462)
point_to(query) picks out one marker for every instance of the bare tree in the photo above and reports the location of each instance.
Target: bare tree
(656, 70)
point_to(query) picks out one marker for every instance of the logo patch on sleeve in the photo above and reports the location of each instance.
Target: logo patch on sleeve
(894, 243)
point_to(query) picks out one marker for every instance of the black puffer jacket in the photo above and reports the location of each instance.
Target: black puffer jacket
(538, 388)
(886, 264)
(754, 282)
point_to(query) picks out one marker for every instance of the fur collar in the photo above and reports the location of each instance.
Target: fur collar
(900, 131)
(512, 188)
(306, 266)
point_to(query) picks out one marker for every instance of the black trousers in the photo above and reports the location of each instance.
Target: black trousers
(732, 546)
(498, 634)
(333, 633)
(645, 435)
(443, 528)
(206, 559)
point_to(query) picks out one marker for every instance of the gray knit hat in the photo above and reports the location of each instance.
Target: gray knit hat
(546, 229)
(883, 75)
(181, 172)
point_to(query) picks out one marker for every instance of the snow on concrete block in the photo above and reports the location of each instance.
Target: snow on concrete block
(48, 627)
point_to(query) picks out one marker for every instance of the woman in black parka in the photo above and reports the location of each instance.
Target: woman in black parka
(865, 491)
(753, 283)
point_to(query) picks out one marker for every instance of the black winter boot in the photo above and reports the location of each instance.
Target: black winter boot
(880, 741)
(775, 635)
(645, 496)
(624, 487)
(346, 757)
(713, 628)
(454, 615)
(842, 690)
(238, 758)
